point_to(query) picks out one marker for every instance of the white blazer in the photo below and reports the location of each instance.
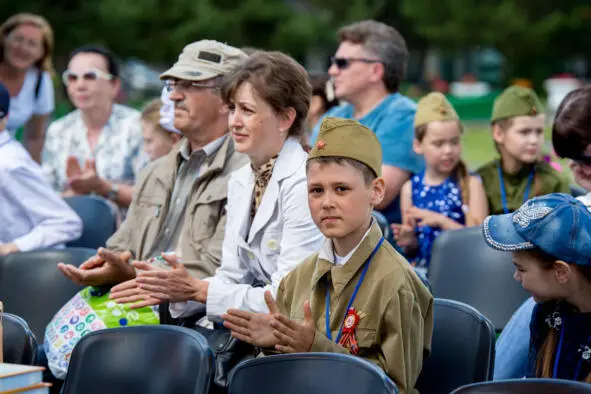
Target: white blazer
(281, 236)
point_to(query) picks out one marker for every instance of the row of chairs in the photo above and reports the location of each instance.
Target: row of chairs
(168, 359)
(462, 353)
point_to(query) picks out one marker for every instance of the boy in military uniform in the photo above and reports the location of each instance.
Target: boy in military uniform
(520, 174)
(357, 295)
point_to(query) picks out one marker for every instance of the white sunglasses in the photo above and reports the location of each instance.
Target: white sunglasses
(91, 75)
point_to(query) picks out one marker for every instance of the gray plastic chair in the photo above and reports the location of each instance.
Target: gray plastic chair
(577, 191)
(310, 373)
(98, 220)
(19, 344)
(464, 268)
(32, 287)
(462, 349)
(526, 386)
(141, 360)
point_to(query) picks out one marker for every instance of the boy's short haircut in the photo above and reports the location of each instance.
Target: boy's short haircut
(504, 124)
(571, 131)
(368, 174)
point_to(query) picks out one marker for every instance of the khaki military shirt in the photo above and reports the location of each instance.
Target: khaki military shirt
(202, 226)
(546, 180)
(396, 308)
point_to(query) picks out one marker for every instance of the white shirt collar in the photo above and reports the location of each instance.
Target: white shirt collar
(586, 199)
(327, 252)
(4, 137)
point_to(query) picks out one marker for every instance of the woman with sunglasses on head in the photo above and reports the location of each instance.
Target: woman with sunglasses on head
(26, 43)
(97, 148)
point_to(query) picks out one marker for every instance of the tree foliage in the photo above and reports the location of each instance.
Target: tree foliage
(525, 31)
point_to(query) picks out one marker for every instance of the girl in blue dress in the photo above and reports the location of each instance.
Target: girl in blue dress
(444, 196)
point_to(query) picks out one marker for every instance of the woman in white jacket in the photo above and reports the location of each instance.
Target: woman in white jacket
(269, 229)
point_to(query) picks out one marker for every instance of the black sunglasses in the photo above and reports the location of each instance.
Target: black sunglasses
(344, 62)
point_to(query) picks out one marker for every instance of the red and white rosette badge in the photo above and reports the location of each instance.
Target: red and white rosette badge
(348, 340)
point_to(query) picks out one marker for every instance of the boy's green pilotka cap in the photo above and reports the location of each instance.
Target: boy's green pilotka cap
(434, 107)
(516, 101)
(348, 138)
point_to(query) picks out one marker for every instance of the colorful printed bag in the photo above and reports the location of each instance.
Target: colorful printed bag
(90, 310)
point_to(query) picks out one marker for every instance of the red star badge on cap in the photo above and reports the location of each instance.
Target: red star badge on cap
(533, 111)
(321, 144)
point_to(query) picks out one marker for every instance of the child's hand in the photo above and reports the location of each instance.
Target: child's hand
(253, 328)
(404, 235)
(425, 217)
(294, 337)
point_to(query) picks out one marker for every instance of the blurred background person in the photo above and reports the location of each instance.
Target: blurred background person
(323, 99)
(159, 133)
(26, 44)
(32, 215)
(97, 148)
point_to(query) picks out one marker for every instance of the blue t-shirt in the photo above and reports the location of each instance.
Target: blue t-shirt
(392, 121)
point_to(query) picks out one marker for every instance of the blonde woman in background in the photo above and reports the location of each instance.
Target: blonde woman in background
(26, 43)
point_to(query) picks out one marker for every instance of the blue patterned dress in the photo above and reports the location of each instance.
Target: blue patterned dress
(446, 199)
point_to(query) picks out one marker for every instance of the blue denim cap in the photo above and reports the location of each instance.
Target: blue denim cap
(558, 224)
(4, 101)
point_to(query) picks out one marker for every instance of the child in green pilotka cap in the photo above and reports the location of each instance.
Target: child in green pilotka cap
(357, 295)
(520, 173)
(444, 196)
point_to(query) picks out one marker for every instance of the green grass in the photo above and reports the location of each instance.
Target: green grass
(478, 147)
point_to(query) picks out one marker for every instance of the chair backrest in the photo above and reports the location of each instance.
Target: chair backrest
(383, 223)
(310, 373)
(577, 191)
(19, 344)
(98, 220)
(464, 268)
(462, 349)
(32, 287)
(526, 386)
(141, 360)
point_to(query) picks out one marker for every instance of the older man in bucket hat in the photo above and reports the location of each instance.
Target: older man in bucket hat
(178, 202)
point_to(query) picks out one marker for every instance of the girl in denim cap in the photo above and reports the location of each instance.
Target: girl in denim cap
(550, 238)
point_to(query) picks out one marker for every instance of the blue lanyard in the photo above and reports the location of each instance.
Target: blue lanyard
(367, 262)
(559, 351)
(530, 180)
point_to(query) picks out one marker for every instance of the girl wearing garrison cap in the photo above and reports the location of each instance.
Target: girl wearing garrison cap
(443, 196)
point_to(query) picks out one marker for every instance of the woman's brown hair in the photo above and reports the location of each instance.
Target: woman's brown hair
(571, 130)
(278, 79)
(43, 64)
(546, 354)
(460, 173)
